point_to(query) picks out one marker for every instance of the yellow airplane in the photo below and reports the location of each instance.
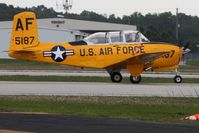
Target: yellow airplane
(111, 51)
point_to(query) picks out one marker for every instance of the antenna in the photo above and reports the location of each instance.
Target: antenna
(177, 26)
(65, 5)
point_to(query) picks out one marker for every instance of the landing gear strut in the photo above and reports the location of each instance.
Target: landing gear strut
(177, 78)
(135, 80)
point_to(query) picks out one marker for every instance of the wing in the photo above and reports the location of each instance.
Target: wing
(147, 59)
(144, 58)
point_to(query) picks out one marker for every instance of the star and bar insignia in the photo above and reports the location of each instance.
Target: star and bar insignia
(58, 53)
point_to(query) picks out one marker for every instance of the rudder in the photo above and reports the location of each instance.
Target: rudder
(24, 32)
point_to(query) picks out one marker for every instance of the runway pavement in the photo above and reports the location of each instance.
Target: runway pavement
(44, 123)
(88, 73)
(98, 89)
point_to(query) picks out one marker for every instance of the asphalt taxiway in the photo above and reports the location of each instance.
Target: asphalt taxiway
(98, 89)
(45, 123)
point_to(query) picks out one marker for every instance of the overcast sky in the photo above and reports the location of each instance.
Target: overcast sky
(123, 7)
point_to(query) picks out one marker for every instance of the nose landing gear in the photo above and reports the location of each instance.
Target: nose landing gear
(177, 78)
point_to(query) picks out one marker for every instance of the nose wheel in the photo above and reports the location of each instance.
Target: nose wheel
(116, 77)
(135, 80)
(178, 79)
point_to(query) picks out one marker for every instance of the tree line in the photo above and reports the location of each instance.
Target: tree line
(156, 27)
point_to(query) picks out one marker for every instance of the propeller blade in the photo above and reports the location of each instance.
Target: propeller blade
(186, 51)
(186, 46)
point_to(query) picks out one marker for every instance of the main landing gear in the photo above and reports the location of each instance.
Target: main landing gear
(116, 77)
(135, 80)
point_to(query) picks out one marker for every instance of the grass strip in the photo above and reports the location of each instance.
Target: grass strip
(134, 108)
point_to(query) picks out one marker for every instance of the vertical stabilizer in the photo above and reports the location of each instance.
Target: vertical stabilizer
(24, 32)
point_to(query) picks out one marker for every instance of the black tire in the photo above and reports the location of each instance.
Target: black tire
(178, 79)
(135, 80)
(116, 77)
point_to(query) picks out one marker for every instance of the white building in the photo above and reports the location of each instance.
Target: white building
(59, 30)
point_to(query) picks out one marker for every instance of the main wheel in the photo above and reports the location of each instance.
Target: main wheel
(116, 77)
(177, 79)
(135, 80)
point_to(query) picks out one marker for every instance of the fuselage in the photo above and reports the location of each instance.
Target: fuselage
(112, 51)
(102, 56)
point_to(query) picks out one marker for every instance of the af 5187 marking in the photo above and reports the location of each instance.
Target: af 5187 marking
(24, 40)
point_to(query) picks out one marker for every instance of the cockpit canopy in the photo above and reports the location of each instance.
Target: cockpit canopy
(115, 37)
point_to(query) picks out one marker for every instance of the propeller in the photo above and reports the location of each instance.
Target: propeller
(185, 50)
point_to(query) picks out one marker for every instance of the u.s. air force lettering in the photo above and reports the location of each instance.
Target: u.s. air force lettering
(58, 53)
(115, 50)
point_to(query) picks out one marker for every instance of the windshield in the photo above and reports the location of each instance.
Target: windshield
(97, 38)
(116, 37)
(135, 37)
